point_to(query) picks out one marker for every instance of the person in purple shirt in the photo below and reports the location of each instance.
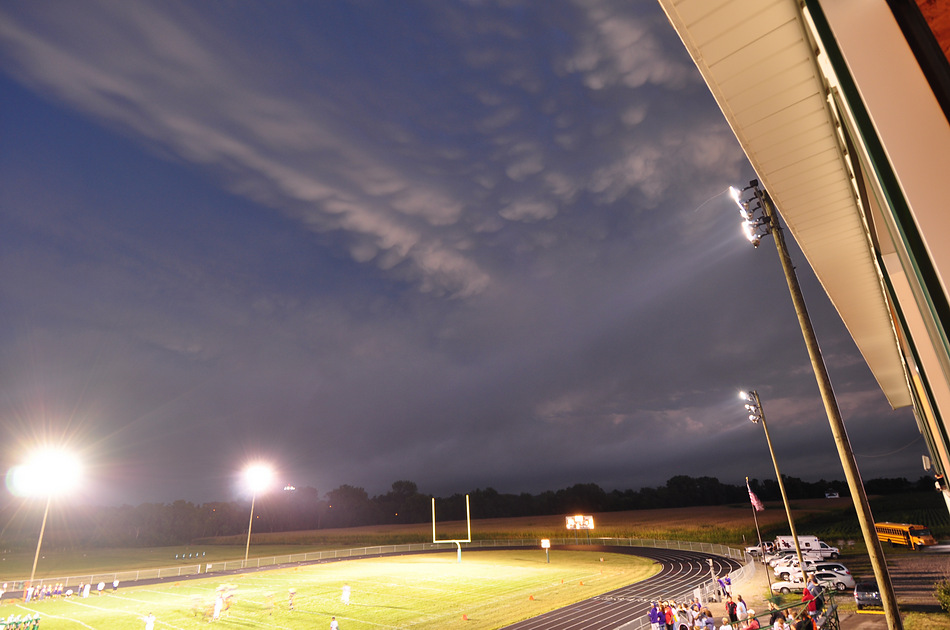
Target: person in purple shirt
(656, 617)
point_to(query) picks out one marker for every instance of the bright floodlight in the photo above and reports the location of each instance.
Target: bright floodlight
(258, 477)
(734, 193)
(748, 229)
(48, 472)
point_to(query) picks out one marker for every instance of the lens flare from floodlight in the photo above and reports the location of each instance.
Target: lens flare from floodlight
(744, 395)
(258, 477)
(48, 472)
(735, 194)
(748, 228)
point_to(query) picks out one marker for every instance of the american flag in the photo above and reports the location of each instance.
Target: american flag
(756, 503)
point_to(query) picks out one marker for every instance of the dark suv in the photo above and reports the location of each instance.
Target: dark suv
(866, 594)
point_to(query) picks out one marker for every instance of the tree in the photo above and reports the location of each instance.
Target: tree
(348, 506)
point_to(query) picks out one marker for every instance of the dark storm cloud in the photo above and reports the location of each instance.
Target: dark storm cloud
(463, 244)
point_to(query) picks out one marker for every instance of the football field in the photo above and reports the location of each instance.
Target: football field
(488, 589)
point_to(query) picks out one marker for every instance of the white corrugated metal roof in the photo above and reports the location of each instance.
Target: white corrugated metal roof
(759, 63)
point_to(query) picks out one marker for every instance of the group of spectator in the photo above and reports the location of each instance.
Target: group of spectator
(789, 619)
(48, 591)
(671, 615)
(43, 591)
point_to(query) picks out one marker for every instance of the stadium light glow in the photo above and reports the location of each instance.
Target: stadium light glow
(258, 478)
(48, 472)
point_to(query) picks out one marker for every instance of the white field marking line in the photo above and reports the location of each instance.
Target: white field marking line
(85, 625)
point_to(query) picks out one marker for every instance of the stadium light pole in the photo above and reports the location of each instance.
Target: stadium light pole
(48, 472)
(258, 478)
(760, 218)
(757, 414)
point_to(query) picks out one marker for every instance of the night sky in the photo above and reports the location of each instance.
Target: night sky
(468, 244)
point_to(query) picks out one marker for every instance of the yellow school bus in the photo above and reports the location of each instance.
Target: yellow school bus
(913, 536)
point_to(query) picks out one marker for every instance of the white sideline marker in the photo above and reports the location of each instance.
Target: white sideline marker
(458, 541)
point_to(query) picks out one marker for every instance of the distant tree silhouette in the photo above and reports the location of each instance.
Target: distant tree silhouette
(157, 524)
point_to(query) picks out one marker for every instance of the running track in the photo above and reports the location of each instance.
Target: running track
(681, 572)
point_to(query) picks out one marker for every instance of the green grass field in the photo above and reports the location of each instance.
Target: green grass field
(434, 590)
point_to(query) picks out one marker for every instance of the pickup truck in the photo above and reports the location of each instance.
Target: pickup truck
(763, 550)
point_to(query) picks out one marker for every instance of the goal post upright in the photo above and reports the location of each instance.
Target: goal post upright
(456, 541)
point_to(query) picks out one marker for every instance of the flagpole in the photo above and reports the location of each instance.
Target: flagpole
(759, 534)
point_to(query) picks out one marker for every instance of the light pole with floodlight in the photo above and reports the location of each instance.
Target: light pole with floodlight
(756, 414)
(48, 472)
(760, 218)
(258, 478)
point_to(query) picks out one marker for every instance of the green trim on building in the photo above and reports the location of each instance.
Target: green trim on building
(927, 277)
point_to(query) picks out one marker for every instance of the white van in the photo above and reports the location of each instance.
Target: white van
(808, 543)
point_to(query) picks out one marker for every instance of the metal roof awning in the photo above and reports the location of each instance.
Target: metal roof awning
(760, 64)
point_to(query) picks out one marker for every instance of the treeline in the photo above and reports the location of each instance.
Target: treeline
(159, 524)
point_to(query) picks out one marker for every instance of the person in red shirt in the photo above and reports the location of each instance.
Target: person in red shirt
(808, 597)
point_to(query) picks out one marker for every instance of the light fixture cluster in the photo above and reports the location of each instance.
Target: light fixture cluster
(755, 222)
(752, 405)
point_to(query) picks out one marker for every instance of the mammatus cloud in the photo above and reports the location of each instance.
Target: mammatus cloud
(487, 240)
(623, 48)
(191, 94)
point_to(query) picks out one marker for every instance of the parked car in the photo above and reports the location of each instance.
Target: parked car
(837, 581)
(791, 560)
(827, 579)
(763, 550)
(784, 554)
(808, 543)
(794, 573)
(788, 586)
(866, 594)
